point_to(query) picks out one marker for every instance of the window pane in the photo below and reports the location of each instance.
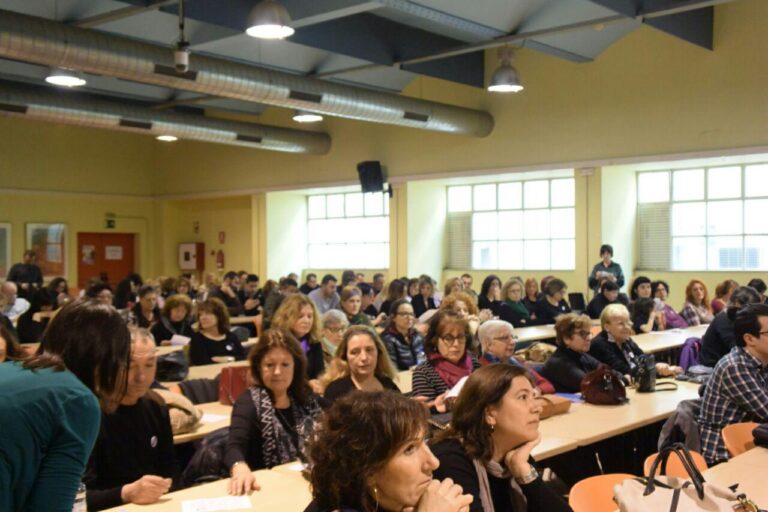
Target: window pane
(563, 223)
(754, 216)
(374, 204)
(689, 253)
(536, 254)
(536, 224)
(724, 218)
(484, 226)
(459, 199)
(511, 226)
(484, 197)
(336, 205)
(536, 194)
(688, 219)
(484, 255)
(724, 182)
(386, 199)
(510, 196)
(316, 208)
(688, 185)
(511, 255)
(756, 180)
(368, 229)
(653, 187)
(724, 253)
(756, 252)
(563, 192)
(563, 254)
(354, 205)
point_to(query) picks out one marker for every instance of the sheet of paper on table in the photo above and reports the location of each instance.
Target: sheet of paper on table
(179, 340)
(214, 504)
(212, 418)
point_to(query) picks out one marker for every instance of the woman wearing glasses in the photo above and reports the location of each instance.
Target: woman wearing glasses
(404, 344)
(447, 358)
(571, 361)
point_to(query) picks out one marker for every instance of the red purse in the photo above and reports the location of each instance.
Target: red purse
(603, 387)
(232, 382)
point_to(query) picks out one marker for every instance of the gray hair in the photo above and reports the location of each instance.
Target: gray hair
(334, 316)
(141, 334)
(492, 329)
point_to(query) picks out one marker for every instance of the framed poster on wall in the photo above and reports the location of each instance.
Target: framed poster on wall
(5, 249)
(49, 241)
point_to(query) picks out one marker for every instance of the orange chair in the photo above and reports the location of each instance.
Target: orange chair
(675, 465)
(595, 494)
(738, 437)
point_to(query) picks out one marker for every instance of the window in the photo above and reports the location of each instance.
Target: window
(703, 218)
(348, 230)
(522, 225)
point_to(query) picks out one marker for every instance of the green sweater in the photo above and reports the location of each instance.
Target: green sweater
(48, 424)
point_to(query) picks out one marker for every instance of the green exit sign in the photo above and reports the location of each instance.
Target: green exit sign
(109, 223)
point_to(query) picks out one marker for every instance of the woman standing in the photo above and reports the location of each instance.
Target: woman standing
(404, 344)
(696, 309)
(605, 269)
(214, 339)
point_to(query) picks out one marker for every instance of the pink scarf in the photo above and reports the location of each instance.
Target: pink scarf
(451, 373)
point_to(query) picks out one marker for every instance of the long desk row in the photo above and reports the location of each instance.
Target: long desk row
(748, 470)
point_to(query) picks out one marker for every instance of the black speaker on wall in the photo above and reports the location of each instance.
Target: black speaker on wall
(371, 177)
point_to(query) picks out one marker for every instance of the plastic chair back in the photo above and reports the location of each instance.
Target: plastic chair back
(738, 438)
(595, 494)
(674, 465)
(577, 301)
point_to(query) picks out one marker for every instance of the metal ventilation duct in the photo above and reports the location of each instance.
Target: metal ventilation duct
(40, 103)
(50, 43)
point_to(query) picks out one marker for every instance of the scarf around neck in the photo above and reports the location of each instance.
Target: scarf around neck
(519, 308)
(497, 471)
(451, 373)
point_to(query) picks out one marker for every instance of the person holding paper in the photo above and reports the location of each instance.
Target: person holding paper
(174, 320)
(133, 460)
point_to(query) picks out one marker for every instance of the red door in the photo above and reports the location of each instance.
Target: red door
(109, 256)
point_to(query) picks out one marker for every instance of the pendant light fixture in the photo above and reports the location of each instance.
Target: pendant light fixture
(167, 138)
(64, 78)
(505, 77)
(269, 19)
(305, 116)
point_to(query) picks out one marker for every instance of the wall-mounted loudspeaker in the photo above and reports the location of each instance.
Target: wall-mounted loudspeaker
(371, 177)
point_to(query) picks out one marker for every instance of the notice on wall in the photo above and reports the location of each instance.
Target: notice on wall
(113, 252)
(89, 254)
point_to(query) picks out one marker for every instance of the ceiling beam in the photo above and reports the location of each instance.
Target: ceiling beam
(119, 14)
(476, 30)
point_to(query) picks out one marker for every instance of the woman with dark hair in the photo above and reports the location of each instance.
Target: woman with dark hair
(553, 303)
(126, 290)
(174, 319)
(100, 291)
(405, 345)
(487, 447)
(298, 315)
(448, 359)
(275, 416)
(30, 331)
(145, 313)
(696, 309)
(568, 365)
(605, 270)
(723, 293)
(371, 455)
(395, 291)
(58, 285)
(672, 320)
(645, 316)
(214, 342)
(641, 288)
(490, 294)
(719, 338)
(425, 300)
(351, 302)
(85, 351)
(411, 287)
(362, 363)
(609, 294)
(9, 347)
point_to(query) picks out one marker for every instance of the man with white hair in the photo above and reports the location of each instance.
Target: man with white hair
(498, 343)
(15, 306)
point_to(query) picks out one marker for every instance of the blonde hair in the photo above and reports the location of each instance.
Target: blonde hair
(508, 286)
(290, 310)
(339, 368)
(612, 311)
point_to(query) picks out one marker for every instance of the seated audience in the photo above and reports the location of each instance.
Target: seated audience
(448, 359)
(214, 342)
(395, 291)
(425, 300)
(377, 283)
(167, 288)
(29, 330)
(411, 286)
(102, 292)
(719, 338)
(646, 317)
(310, 284)
(351, 303)
(371, 454)
(759, 286)
(348, 277)
(325, 296)
(58, 285)
(605, 269)
(738, 389)
(174, 319)
(226, 292)
(490, 294)
(640, 289)
(453, 285)
(609, 294)
(723, 293)
(15, 306)
(467, 281)
(184, 287)
(273, 418)
(133, 459)
(298, 315)
(334, 324)
(464, 306)
(498, 344)
(696, 309)
(404, 344)
(9, 347)
(368, 297)
(145, 312)
(513, 309)
(672, 320)
(487, 447)
(363, 365)
(553, 303)
(250, 295)
(81, 363)
(126, 290)
(273, 299)
(568, 365)
(614, 346)
(531, 296)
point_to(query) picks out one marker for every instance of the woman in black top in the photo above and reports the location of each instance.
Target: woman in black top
(214, 338)
(494, 428)
(645, 316)
(531, 295)
(361, 363)
(490, 294)
(570, 362)
(370, 455)
(174, 319)
(404, 344)
(145, 312)
(424, 301)
(29, 330)
(395, 291)
(272, 419)
(513, 309)
(553, 303)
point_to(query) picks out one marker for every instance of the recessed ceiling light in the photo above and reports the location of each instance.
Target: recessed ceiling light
(64, 78)
(167, 138)
(304, 116)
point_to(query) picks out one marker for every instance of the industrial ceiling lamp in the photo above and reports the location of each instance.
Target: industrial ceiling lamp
(269, 20)
(305, 116)
(64, 78)
(505, 77)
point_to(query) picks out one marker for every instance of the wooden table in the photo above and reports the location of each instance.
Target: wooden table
(404, 381)
(206, 427)
(210, 371)
(748, 470)
(659, 341)
(534, 333)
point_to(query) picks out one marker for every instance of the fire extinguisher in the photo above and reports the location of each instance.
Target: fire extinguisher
(220, 259)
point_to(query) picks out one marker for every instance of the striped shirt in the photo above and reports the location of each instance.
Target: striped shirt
(427, 382)
(737, 392)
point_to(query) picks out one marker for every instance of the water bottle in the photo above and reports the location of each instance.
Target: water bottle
(80, 505)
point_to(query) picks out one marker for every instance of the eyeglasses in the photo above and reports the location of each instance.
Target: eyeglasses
(450, 340)
(506, 339)
(405, 314)
(335, 330)
(584, 334)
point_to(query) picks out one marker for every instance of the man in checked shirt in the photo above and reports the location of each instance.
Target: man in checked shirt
(738, 389)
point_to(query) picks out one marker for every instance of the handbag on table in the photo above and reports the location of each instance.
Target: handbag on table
(232, 382)
(552, 405)
(603, 387)
(646, 376)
